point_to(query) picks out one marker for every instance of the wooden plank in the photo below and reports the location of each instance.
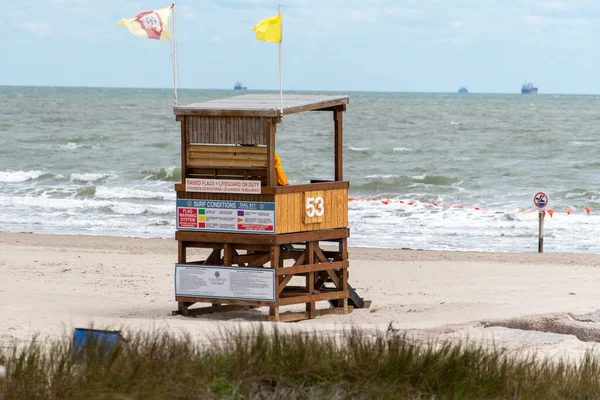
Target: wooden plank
(229, 113)
(227, 254)
(338, 145)
(220, 237)
(271, 175)
(305, 187)
(254, 303)
(301, 260)
(261, 105)
(214, 258)
(228, 149)
(218, 163)
(323, 235)
(214, 309)
(258, 239)
(299, 316)
(298, 299)
(291, 211)
(319, 254)
(181, 252)
(184, 144)
(303, 269)
(282, 282)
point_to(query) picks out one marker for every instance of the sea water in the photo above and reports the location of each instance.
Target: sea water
(426, 170)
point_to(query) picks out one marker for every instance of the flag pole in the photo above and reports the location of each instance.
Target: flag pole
(280, 63)
(174, 54)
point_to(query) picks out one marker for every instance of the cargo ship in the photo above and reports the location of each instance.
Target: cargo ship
(528, 88)
(239, 86)
(463, 90)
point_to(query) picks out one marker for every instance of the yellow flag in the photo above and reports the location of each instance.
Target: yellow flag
(149, 24)
(269, 29)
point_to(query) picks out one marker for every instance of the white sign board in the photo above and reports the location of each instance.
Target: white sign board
(225, 282)
(222, 186)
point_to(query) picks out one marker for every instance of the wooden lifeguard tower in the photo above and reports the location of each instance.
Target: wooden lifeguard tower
(261, 235)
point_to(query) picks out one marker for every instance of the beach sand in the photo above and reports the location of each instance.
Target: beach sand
(541, 303)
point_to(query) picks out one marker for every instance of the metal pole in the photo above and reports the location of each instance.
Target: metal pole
(174, 54)
(542, 214)
(280, 63)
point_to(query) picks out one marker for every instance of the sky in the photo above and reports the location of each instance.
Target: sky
(489, 46)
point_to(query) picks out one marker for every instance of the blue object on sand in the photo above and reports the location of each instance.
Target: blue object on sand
(105, 341)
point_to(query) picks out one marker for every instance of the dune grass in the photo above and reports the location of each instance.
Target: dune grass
(276, 365)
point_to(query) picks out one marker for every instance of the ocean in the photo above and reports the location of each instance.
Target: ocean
(427, 171)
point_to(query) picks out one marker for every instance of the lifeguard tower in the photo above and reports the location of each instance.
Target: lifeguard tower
(261, 235)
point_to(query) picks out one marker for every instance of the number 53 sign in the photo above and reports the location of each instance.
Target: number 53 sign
(314, 207)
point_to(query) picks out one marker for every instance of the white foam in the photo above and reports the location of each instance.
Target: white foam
(402, 149)
(19, 176)
(69, 146)
(105, 192)
(385, 176)
(138, 209)
(89, 177)
(359, 148)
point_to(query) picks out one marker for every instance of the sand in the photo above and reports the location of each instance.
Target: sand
(542, 303)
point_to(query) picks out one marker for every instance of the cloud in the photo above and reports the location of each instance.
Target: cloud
(38, 28)
(455, 24)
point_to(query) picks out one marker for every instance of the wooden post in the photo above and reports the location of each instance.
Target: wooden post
(181, 252)
(185, 145)
(339, 151)
(271, 175)
(542, 214)
(311, 308)
(275, 263)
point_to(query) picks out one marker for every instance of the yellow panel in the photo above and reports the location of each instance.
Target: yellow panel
(290, 211)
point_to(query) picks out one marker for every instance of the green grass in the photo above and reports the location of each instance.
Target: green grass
(262, 365)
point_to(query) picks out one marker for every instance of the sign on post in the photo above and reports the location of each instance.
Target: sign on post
(226, 216)
(540, 200)
(219, 282)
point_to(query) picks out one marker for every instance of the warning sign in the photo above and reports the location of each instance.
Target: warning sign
(222, 186)
(540, 200)
(226, 216)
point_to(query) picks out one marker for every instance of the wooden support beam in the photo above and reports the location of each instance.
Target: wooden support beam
(228, 254)
(271, 175)
(214, 258)
(181, 252)
(338, 145)
(267, 240)
(216, 308)
(301, 260)
(320, 255)
(295, 298)
(261, 261)
(282, 281)
(254, 303)
(306, 268)
(186, 141)
(299, 316)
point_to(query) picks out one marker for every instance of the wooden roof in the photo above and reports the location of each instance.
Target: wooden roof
(261, 105)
